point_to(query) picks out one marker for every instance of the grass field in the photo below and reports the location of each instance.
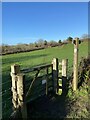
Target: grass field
(30, 59)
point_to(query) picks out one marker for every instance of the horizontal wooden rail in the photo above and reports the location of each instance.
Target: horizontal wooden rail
(36, 68)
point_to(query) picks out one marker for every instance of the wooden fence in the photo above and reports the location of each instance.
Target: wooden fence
(47, 78)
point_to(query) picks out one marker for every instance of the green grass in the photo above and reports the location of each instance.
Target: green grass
(30, 59)
(78, 103)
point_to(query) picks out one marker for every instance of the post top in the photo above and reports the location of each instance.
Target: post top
(76, 38)
(15, 65)
(15, 68)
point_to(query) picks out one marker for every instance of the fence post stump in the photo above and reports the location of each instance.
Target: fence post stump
(15, 69)
(64, 74)
(55, 74)
(21, 95)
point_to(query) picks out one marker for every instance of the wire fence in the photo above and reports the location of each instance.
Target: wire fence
(6, 99)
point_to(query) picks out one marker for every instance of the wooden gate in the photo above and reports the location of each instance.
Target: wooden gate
(46, 79)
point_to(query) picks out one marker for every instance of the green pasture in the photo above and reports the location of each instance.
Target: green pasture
(39, 57)
(30, 59)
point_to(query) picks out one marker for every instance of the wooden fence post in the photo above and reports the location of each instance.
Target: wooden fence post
(55, 74)
(47, 81)
(64, 74)
(75, 67)
(21, 95)
(15, 69)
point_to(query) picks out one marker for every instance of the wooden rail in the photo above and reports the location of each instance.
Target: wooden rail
(36, 68)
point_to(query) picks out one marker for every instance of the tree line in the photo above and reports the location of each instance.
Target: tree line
(40, 44)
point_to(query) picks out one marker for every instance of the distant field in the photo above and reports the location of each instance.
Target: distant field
(30, 59)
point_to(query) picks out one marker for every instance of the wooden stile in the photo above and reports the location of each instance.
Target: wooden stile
(64, 67)
(55, 74)
(64, 74)
(18, 83)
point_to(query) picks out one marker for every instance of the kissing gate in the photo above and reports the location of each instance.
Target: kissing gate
(47, 78)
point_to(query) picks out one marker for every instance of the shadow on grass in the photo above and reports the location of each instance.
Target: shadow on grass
(22, 58)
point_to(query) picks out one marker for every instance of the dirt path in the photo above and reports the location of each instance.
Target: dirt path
(48, 107)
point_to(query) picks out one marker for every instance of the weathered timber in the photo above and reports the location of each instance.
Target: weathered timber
(29, 90)
(21, 95)
(75, 64)
(55, 74)
(64, 74)
(35, 68)
(15, 69)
